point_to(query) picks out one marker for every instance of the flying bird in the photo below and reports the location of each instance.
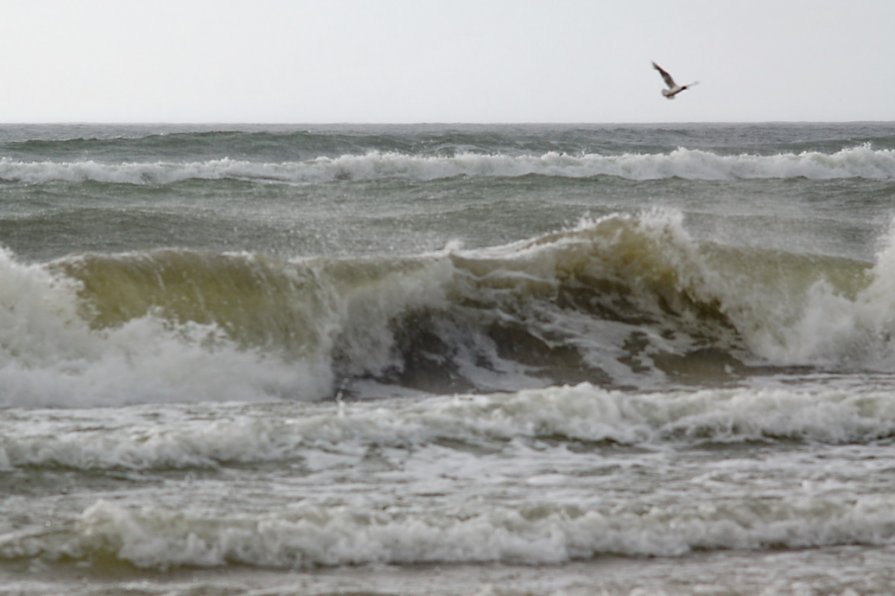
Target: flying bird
(673, 88)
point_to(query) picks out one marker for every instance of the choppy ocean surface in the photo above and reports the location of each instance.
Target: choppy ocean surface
(447, 359)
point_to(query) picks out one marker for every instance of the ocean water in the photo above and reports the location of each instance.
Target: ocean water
(447, 359)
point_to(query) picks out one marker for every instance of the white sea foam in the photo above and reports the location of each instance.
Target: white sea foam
(789, 320)
(184, 438)
(532, 533)
(50, 356)
(856, 162)
(829, 327)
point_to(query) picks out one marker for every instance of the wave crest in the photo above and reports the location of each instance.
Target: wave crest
(310, 535)
(622, 301)
(856, 162)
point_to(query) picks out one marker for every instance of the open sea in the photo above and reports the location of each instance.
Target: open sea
(447, 359)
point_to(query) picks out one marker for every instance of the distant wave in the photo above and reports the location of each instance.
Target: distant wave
(212, 144)
(856, 162)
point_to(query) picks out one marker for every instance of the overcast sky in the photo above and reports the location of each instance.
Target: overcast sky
(309, 61)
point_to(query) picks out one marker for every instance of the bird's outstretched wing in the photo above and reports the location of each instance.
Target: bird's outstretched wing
(665, 76)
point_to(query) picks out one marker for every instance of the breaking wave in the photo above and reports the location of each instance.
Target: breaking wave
(538, 528)
(622, 301)
(309, 535)
(855, 162)
(583, 414)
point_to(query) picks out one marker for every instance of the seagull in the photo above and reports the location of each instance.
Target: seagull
(673, 88)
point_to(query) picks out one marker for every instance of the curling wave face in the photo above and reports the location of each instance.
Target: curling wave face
(620, 301)
(230, 356)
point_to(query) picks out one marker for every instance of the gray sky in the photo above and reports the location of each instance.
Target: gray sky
(444, 60)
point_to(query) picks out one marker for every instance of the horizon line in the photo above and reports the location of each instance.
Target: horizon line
(424, 122)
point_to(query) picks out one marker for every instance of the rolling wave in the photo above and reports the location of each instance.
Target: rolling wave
(622, 301)
(583, 414)
(532, 528)
(311, 535)
(855, 162)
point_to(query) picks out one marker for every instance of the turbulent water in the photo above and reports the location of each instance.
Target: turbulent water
(447, 359)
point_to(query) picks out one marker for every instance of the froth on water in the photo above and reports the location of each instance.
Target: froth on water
(620, 301)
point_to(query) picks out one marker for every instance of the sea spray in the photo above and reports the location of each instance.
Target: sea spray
(239, 359)
(619, 300)
(52, 356)
(836, 326)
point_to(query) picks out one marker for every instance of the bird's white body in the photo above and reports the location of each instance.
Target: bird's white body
(673, 88)
(670, 93)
